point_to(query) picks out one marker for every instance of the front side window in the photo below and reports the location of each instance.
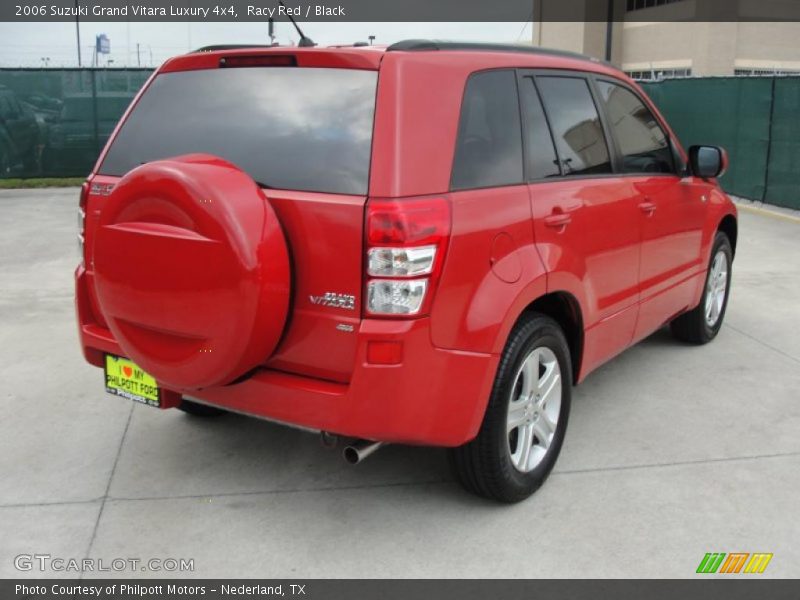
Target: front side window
(576, 126)
(643, 144)
(290, 128)
(489, 147)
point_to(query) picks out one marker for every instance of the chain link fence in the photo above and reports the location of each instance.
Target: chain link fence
(54, 122)
(757, 119)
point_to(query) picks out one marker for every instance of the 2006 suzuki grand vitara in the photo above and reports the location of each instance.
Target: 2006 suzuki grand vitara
(428, 243)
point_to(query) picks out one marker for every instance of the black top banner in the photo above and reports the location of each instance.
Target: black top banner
(395, 589)
(400, 10)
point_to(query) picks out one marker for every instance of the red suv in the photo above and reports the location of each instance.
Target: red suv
(428, 243)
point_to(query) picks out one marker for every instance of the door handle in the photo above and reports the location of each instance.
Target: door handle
(558, 221)
(647, 208)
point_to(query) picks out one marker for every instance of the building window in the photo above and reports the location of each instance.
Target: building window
(765, 72)
(640, 4)
(659, 74)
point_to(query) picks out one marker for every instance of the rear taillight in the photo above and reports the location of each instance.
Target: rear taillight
(82, 218)
(406, 242)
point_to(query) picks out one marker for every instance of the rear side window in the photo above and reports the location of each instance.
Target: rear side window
(643, 144)
(489, 146)
(577, 130)
(290, 128)
(541, 155)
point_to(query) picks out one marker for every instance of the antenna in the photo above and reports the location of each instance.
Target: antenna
(305, 42)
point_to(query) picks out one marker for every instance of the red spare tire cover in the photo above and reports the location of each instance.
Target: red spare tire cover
(192, 271)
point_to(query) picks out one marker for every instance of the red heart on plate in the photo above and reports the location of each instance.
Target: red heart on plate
(128, 371)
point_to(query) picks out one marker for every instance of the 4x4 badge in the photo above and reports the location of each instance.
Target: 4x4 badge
(334, 300)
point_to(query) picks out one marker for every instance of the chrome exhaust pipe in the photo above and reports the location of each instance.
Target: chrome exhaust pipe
(358, 450)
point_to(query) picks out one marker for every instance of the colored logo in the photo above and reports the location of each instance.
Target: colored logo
(735, 562)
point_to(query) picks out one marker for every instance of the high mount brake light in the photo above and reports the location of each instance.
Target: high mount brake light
(271, 60)
(406, 239)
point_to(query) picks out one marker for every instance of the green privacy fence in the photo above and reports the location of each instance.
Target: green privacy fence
(54, 122)
(757, 119)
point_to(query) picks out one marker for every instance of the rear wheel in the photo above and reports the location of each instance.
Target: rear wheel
(701, 325)
(200, 410)
(526, 418)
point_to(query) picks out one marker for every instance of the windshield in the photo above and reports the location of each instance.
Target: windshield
(290, 128)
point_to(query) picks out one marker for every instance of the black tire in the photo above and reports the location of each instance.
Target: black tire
(200, 410)
(484, 466)
(692, 327)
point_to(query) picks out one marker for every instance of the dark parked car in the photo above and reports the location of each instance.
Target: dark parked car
(19, 135)
(76, 137)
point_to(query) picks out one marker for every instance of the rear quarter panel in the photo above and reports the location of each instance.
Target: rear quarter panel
(492, 270)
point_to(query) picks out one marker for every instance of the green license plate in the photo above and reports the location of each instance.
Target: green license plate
(124, 378)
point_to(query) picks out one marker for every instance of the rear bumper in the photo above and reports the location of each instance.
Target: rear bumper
(433, 397)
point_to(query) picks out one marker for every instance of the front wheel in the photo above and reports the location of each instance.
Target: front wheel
(701, 325)
(526, 418)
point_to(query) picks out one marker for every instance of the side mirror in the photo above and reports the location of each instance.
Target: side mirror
(708, 162)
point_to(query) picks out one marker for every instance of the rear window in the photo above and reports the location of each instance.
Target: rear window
(289, 128)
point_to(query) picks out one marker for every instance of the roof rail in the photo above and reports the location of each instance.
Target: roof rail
(431, 45)
(230, 47)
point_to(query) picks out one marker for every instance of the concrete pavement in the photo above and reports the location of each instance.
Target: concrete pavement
(672, 451)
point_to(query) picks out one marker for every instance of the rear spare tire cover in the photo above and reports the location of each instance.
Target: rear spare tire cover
(192, 271)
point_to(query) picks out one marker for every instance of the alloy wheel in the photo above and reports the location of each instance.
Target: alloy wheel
(716, 288)
(533, 409)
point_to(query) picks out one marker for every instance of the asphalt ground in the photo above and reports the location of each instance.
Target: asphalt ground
(672, 451)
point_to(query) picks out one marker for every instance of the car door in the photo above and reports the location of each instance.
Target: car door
(586, 219)
(672, 208)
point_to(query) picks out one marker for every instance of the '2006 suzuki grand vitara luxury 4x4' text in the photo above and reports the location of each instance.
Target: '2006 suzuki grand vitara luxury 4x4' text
(428, 243)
